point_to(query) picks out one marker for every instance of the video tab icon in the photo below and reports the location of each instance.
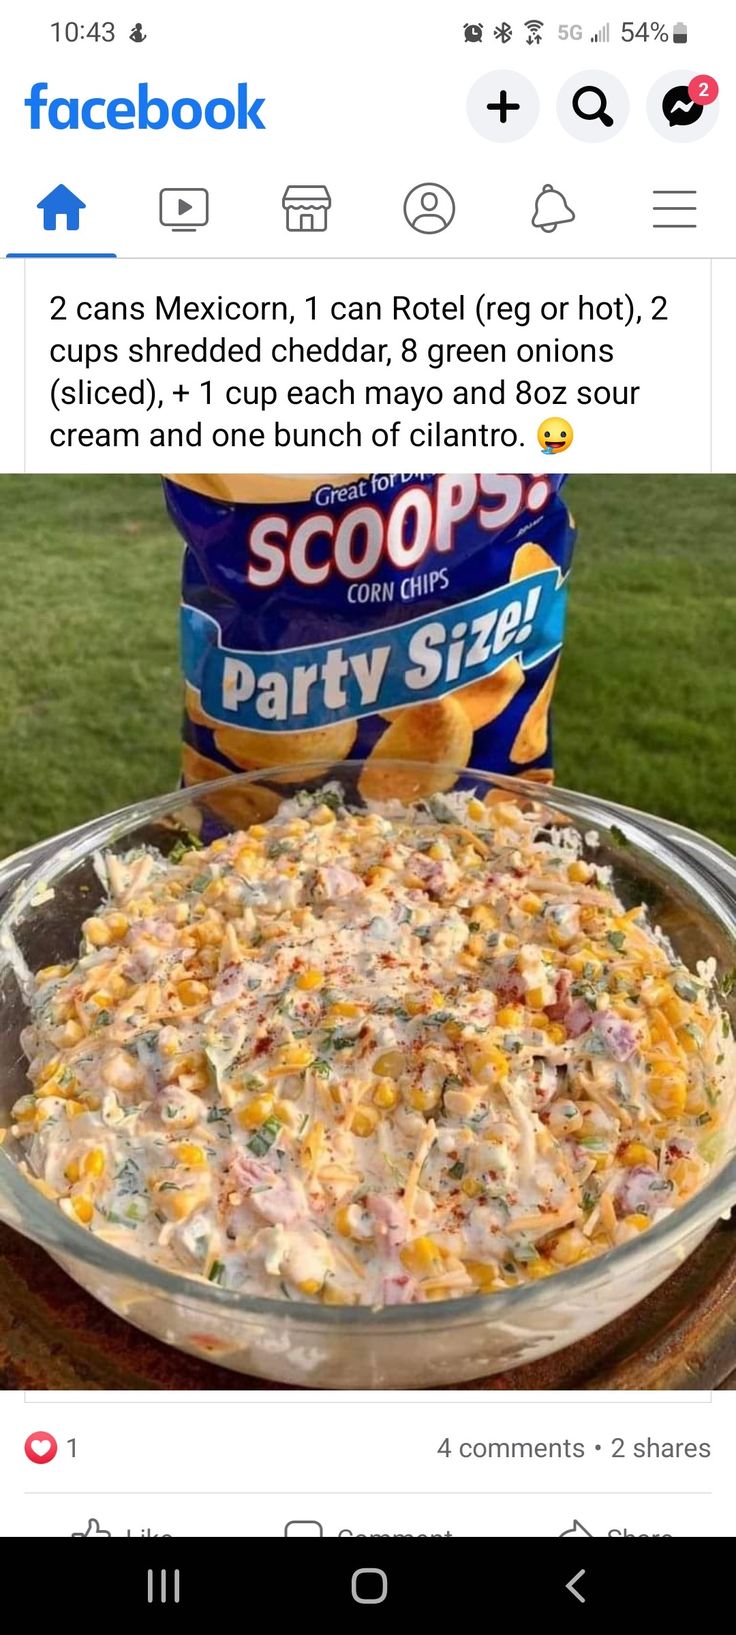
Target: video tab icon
(184, 209)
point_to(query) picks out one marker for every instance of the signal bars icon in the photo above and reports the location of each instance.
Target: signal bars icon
(602, 36)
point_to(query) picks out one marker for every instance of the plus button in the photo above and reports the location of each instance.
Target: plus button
(503, 107)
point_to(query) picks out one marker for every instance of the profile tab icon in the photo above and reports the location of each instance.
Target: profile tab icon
(429, 208)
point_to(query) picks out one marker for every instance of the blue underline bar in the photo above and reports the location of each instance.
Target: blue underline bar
(61, 255)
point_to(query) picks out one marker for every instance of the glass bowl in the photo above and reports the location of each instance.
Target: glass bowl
(690, 886)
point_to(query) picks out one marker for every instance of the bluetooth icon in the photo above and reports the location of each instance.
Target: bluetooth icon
(502, 33)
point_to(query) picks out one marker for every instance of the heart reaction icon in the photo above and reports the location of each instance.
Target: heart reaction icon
(40, 1447)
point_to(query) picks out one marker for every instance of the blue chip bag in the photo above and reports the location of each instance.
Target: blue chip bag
(384, 617)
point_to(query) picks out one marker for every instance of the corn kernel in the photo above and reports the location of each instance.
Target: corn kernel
(686, 1174)
(310, 979)
(258, 831)
(390, 1064)
(344, 1007)
(510, 1016)
(117, 925)
(101, 999)
(83, 1210)
(322, 815)
(179, 1205)
(468, 961)
(309, 1285)
(385, 1094)
(191, 1155)
(50, 1069)
(639, 1222)
(295, 1056)
(480, 914)
(579, 872)
(437, 853)
(531, 903)
(668, 1091)
(422, 1257)
(537, 1269)
(365, 1121)
(453, 1029)
(53, 973)
(254, 1112)
(93, 1163)
(96, 932)
(423, 1101)
(637, 1153)
(24, 1110)
(555, 1033)
(192, 992)
(484, 1277)
(72, 1171)
(379, 876)
(476, 943)
(74, 1108)
(414, 1006)
(343, 1222)
(536, 997)
(477, 812)
(471, 1186)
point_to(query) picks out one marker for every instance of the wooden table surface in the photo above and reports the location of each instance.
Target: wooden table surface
(53, 1336)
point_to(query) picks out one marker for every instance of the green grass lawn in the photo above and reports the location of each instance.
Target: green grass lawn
(89, 693)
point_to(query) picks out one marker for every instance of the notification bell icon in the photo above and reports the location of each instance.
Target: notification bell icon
(551, 209)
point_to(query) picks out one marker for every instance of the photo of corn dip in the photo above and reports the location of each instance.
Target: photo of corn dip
(372, 1057)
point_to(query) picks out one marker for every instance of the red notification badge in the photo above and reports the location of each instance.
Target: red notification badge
(40, 1447)
(703, 89)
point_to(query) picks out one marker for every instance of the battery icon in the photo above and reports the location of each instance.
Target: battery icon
(679, 34)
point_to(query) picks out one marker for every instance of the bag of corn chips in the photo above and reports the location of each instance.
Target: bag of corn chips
(386, 617)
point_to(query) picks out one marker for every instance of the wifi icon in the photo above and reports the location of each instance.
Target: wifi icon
(602, 36)
(534, 37)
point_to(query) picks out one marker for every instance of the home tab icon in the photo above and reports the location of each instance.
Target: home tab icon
(306, 208)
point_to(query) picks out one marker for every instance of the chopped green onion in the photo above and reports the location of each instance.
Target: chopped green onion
(264, 1137)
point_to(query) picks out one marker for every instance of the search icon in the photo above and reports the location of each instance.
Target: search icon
(598, 111)
(592, 106)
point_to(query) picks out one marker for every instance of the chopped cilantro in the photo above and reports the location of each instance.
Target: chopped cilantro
(188, 843)
(340, 1041)
(584, 990)
(617, 836)
(216, 1272)
(321, 1067)
(200, 882)
(457, 1172)
(685, 990)
(728, 982)
(617, 940)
